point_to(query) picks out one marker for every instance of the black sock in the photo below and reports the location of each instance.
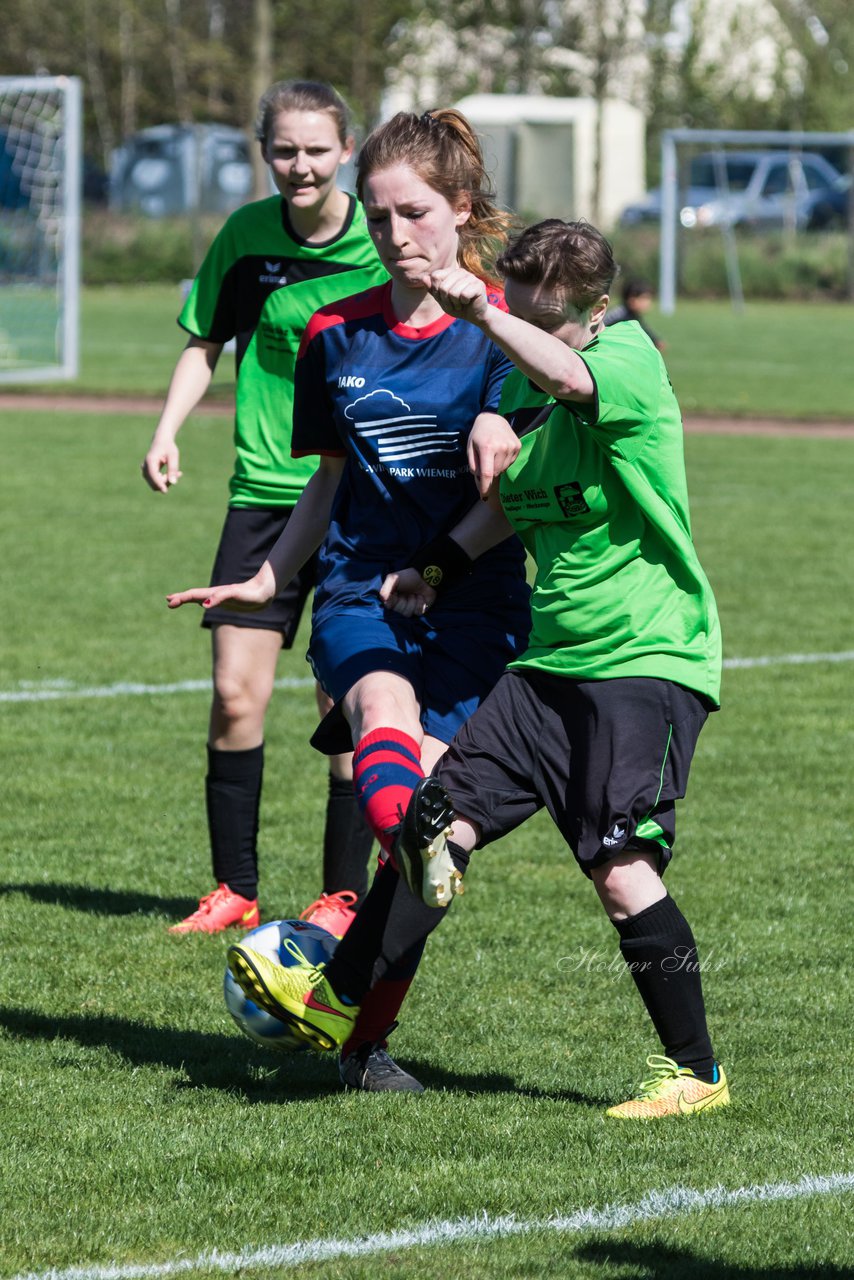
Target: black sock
(233, 794)
(388, 935)
(347, 841)
(658, 947)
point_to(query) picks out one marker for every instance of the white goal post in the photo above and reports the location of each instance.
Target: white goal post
(40, 192)
(718, 140)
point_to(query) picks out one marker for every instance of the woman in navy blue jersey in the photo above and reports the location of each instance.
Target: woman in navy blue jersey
(399, 400)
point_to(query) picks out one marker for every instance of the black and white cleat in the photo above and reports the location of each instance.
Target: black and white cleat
(421, 847)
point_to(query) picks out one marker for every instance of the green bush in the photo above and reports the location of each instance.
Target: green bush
(812, 266)
(131, 249)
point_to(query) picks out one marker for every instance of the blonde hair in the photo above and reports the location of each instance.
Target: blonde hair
(443, 149)
(300, 95)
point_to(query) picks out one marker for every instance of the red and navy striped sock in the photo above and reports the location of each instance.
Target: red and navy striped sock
(377, 1014)
(386, 767)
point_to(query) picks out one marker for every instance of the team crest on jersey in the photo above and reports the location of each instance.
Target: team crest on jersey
(571, 499)
(395, 430)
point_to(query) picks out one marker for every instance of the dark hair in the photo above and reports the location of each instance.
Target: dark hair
(443, 149)
(300, 95)
(635, 288)
(572, 256)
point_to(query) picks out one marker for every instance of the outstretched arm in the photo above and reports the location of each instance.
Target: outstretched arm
(301, 537)
(545, 359)
(190, 380)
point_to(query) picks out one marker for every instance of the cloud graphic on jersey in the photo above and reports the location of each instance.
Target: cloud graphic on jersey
(397, 436)
(381, 391)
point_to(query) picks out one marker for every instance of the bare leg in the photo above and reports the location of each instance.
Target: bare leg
(244, 669)
(628, 884)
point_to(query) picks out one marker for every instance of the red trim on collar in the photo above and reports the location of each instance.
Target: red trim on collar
(407, 330)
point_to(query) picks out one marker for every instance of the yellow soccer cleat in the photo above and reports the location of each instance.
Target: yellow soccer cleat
(298, 995)
(672, 1091)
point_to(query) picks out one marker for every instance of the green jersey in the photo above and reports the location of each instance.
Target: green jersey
(260, 284)
(598, 495)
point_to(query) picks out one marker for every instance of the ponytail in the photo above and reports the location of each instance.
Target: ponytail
(443, 149)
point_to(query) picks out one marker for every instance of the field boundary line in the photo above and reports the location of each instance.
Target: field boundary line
(222, 406)
(787, 660)
(56, 690)
(671, 1203)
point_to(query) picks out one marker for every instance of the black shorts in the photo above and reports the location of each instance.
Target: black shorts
(247, 538)
(606, 758)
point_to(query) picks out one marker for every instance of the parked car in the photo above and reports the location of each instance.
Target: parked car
(830, 206)
(20, 156)
(752, 189)
(26, 251)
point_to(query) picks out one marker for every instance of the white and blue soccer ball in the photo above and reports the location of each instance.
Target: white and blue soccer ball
(316, 944)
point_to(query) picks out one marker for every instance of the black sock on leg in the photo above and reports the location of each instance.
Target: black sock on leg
(347, 841)
(390, 930)
(351, 968)
(660, 952)
(233, 795)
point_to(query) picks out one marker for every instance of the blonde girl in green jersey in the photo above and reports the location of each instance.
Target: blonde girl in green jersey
(273, 264)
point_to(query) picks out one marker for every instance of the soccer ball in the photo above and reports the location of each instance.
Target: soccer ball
(317, 946)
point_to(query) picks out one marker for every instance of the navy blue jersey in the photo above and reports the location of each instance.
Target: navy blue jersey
(398, 403)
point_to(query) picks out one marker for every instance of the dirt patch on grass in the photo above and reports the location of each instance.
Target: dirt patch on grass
(768, 427)
(151, 405)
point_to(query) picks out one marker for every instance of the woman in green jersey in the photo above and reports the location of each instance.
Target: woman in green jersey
(273, 264)
(598, 719)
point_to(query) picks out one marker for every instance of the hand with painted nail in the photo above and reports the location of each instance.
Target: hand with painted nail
(241, 597)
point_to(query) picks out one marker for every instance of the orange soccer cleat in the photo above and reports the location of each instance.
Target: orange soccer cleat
(220, 910)
(332, 911)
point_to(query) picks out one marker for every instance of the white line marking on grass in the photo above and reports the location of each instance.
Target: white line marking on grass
(55, 690)
(787, 660)
(657, 1205)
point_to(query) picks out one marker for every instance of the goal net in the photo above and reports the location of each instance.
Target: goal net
(40, 181)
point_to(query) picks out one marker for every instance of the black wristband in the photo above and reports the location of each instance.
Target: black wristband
(442, 562)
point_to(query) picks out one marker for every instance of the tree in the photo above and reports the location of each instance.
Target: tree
(564, 47)
(343, 41)
(822, 85)
(145, 62)
(721, 64)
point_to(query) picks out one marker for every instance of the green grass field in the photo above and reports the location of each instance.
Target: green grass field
(775, 360)
(141, 1130)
